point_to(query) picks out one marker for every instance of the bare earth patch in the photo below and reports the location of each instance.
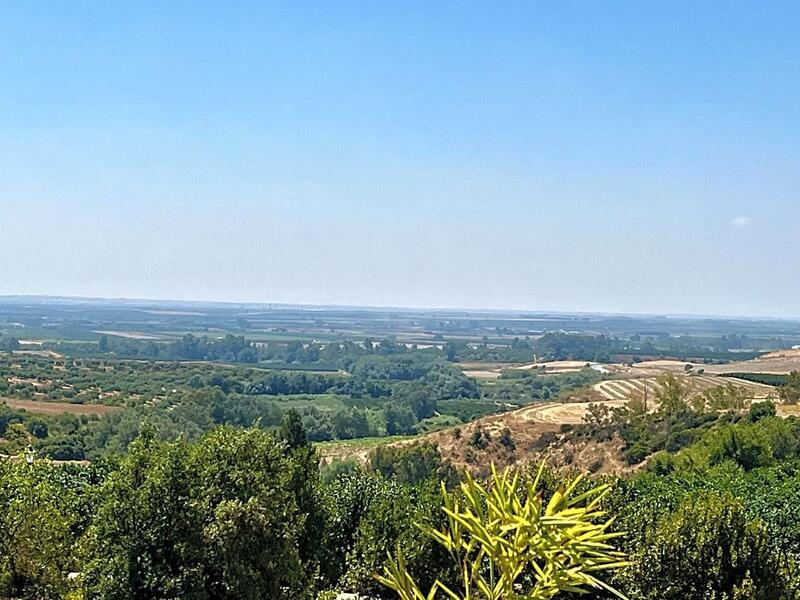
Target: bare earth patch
(57, 408)
(777, 363)
(132, 335)
(483, 374)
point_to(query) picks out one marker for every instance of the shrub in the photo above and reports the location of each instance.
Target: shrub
(759, 410)
(480, 439)
(218, 518)
(508, 543)
(708, 548)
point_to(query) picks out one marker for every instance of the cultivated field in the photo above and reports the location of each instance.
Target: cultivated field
(56, 408)
(556, 367)
(132, 335)
(777, 363)
(625, 389)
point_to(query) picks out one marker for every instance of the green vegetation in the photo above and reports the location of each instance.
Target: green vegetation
(765, 378)
(509, 543)
(246, 513)
(8, 343)
(404, 393)
(788, 385)
(205, 482)
(412, 463)
(677, 421)
(790, 390)
(536, 385)
(602, 348)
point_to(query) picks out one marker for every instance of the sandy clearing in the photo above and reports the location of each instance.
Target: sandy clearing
(132, 335)
(483, 374)
(621, 389)
(607, 390)
(176, 313)
(788, 410)
(676, 366)
(792, 354)
(42, 353)
(606, 393)
(775, 366)
(642, 386)
(617, 389)
(484, 366)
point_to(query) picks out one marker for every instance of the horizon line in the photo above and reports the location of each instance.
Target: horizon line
(267, 304)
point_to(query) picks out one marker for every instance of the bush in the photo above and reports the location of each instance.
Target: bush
(636, 454)
(218, 518)
(506, 542)
(708, 548)
(480, 439)
(40, 521)
(759, 410)
(411, 463)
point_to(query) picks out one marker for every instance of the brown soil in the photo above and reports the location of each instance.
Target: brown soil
(778, 363)
(55, 408)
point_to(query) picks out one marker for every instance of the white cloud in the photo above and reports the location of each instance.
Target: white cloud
(739, 222)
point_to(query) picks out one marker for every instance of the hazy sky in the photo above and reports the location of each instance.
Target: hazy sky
(601, 156)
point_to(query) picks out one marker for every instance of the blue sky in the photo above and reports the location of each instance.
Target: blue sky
(619, 156)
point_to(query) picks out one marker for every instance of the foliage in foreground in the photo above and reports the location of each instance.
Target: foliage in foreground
(222, 518)
(709, 548)
(509, 544)
(245, 514)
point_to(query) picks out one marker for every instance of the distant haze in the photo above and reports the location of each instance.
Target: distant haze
(619, 157)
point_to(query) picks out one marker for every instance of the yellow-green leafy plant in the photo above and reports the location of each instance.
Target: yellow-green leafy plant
(512, 545)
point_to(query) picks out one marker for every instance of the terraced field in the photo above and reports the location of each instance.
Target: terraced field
(617, 392)
(624, 389)
(559, 413)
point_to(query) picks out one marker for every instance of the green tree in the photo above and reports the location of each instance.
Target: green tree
(349, 423)
(39, 523)
(450, 351)
(292, 430)
(347, 502)
(790, 390)
(411, 463)
(708, 549)
(400, 419)
(212, 519)
(760, 410)
(670, 394)
(748, 447)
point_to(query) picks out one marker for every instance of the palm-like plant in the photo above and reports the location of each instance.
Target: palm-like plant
(510, 545)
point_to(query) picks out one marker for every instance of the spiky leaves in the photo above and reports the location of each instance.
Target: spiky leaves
(511, 545)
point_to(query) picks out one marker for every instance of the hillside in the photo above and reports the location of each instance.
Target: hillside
(541, 431)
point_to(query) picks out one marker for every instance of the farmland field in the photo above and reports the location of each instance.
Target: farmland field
(349, 373)
(56, 408)
(624, 389)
